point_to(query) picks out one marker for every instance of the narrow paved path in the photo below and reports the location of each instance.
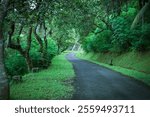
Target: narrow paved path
(95, 82)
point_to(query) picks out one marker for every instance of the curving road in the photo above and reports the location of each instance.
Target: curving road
(94, 82)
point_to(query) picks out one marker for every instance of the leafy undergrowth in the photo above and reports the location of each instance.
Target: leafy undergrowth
(145, 77)
(47, 84)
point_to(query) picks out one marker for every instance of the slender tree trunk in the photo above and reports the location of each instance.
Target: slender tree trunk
(4, 85)
(45, 40)
(38, 38)
(27, 54)
(140, 14)
(58, 50)
(28, 62)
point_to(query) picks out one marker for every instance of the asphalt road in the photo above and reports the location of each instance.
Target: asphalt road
(94, 82)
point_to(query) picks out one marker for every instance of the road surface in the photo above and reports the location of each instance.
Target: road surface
(94, 82)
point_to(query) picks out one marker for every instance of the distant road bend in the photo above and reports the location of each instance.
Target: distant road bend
(94, 82)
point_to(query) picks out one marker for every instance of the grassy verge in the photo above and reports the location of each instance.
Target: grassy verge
(52, 83)
(132, 73)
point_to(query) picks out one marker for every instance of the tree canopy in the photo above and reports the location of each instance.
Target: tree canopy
(34, 31)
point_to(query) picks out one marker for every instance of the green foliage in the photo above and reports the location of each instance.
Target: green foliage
(98, 42)
(15, 64)
(52, 83)
(87, 45)
(104, 26)
(121, 35)
(102, 41)
(38, 58)
(121, 38)
(141, 38)
(52, 48)
(129, 14)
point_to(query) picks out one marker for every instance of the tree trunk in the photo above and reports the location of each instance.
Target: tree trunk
(58, 49)
(140, 14)
(4, 85)
(38, 38)
(27, 53)
(28, 62)
(45, 40)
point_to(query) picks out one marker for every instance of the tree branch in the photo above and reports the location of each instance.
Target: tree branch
(20, 31)
(29, 39)
(38, 38)
(140, 14)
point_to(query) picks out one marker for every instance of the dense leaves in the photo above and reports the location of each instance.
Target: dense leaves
(37, 30)
(119, 36)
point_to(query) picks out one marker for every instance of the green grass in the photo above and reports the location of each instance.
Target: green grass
(52, 83)
(144, 77)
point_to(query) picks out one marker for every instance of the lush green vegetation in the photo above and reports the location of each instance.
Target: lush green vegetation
(16, 65)
(121, 38)
(117, 34)
(32, 32)
(120, 65)
(52, 83)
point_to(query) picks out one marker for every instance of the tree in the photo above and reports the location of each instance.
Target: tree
(4, 86)
(17, 45)
(140, 13)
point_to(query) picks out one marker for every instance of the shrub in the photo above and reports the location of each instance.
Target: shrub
(15, 64)
(98, 42)
(38, 58)
(141, 40)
